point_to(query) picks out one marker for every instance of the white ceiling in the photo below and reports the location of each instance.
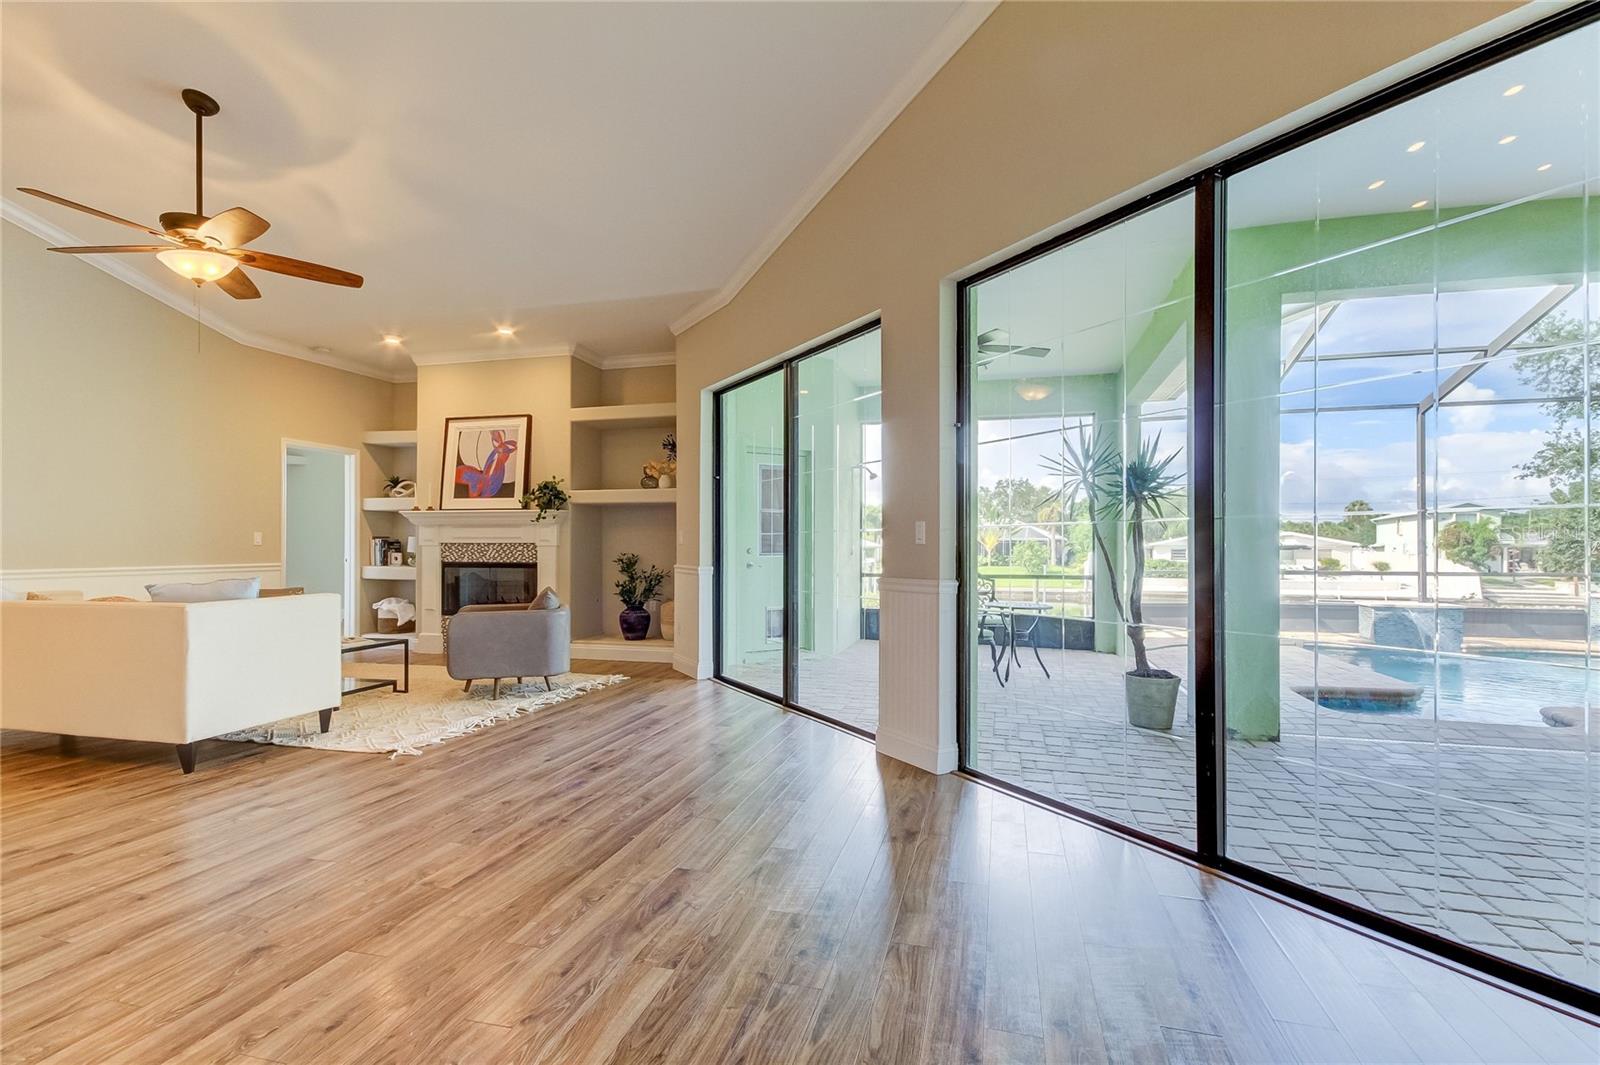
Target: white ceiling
(584, 172)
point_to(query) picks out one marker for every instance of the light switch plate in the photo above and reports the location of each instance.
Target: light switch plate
(922, 532)
(258, 539)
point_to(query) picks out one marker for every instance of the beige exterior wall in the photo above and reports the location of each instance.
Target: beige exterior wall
(1050, 112)
(132, 436)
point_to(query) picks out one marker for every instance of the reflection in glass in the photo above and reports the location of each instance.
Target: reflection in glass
(750, 482)
(1409, 523)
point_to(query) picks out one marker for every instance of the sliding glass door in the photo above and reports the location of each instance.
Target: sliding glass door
(1077, 553)
(752, 472)
(800, 503)
(1373, 349)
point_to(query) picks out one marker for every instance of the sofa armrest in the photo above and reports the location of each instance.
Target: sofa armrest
(254, 661)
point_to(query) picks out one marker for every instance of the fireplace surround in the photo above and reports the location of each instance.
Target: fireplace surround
(485, 539)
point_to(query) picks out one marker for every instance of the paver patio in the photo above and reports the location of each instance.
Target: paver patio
(1488, 833)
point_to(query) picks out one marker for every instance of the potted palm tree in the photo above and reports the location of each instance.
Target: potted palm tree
(1125, 496)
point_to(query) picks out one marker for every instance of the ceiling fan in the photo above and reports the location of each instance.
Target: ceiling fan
(997, 342)
(206, 248)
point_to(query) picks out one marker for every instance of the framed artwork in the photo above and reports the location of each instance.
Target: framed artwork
(485, 462)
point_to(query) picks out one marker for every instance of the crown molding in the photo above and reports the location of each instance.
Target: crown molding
(118, 268)
(452, 358)
(961, 25)
(548, 351)
(629, 362)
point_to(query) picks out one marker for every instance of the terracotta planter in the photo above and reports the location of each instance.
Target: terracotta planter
(635, 624)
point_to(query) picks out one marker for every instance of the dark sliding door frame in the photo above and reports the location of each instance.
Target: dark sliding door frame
(1207, 426)
(789, 368)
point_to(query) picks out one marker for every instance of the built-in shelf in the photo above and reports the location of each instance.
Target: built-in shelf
(618, 649)
(627, 416)
(615, 497)
(389, 573)
(388, 503)
(390, 438)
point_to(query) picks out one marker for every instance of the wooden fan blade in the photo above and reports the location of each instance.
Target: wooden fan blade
(237, 284)
(282, 264)
(233, 228)
(63, 201)
(113, 249)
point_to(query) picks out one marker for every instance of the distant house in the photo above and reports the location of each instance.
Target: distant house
(1299, 550)
(1397, 536)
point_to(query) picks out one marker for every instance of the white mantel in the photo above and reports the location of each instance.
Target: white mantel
(435, 527)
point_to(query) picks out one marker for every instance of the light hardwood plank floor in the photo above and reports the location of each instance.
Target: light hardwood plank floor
(665, 871)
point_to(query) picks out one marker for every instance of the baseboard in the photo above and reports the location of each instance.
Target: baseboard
(691, 667)
(95, 581)
(925, 756)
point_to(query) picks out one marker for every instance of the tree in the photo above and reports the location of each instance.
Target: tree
(1470, 543)
(1381, 566)
(1556, 367)
(1330, 564)
(1123, 495)
(1030, 556)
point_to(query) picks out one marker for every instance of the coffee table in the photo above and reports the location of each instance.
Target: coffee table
(356, 685)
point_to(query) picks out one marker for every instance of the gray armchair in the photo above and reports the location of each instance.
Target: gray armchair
(491, 642)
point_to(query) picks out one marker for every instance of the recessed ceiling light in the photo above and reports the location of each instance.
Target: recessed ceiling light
(1419, 203)
(1416, 146)
(505, 331)
(1513, 90)
(1507, 139)
(392, 339)
(1376, 184)
(1542, 167)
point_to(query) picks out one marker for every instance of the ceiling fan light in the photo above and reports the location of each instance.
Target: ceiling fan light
(197, 265)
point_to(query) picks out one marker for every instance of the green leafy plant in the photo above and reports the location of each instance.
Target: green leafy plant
(1330, 564)
(1381, 566)
(548, 496)
(1125, 496)
(637, 586)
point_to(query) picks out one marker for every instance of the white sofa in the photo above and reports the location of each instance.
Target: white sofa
(167, 672)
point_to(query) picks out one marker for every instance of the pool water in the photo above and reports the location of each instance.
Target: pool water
(1507, 687)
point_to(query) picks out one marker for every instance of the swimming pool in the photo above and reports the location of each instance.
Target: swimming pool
(1506, 688)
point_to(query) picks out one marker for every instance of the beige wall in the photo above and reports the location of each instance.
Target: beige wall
(132, 436)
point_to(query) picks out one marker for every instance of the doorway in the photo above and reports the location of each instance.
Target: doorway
(319, 522)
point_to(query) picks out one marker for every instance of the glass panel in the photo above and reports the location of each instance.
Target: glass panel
(839, 505)
(1080, 552)
(1409, 407)
(750, 478)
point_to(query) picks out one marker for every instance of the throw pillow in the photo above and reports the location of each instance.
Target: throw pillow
(205, 591)
(545, 600)
(113, 599)
(55, 597)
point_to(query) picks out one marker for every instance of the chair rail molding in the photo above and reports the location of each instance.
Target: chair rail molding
(917, 672)
(692, 592)
(95, 581)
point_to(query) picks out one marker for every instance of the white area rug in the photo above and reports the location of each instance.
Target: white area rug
(433, 711)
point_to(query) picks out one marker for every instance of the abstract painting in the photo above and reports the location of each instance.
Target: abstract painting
(485, 462)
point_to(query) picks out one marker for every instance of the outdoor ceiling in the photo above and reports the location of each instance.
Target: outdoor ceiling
(585, 173)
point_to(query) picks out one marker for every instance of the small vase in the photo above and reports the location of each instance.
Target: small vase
(666, 481)
(635, 624)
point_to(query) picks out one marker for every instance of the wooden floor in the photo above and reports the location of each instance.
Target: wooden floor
(665, 871)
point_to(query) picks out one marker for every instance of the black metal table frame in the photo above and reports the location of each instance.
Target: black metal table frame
(357, 685)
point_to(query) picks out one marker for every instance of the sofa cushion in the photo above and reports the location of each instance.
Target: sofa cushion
(545, 600)
(205, 591)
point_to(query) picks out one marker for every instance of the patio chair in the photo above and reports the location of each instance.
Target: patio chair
(993, 630)
(1024, 630)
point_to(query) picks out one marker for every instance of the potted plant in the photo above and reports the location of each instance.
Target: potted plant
(636, 588)
(1125, 496)
(548, 496)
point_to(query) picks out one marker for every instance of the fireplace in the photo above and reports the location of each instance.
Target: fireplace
(474, 583)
